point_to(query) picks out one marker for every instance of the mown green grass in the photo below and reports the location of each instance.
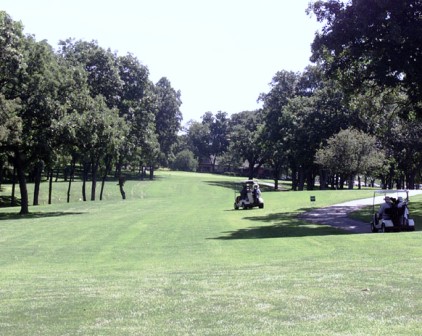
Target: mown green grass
(174, 258)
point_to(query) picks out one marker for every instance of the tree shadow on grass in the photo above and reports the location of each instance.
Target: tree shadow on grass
(284, 225)
(6, 201)
(225, 184)
(32, 215)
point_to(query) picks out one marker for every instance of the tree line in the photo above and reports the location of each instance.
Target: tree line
(355, 112)
(79, 107)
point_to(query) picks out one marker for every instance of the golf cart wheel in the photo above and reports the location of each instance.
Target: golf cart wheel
(373, 228)
(261, 206)
(236, 207)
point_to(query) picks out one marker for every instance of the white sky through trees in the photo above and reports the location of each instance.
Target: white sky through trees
(221, 54)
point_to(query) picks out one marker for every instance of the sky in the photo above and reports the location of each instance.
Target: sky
(220, 54)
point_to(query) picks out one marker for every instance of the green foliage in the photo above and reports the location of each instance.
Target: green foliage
(198, 139)
(138, 106)
(168, 117)
(350, 153)
(244, 139)
(11, 56)
(371, 40)
(10, 123)
(82, 103)
(301, 111)
(185, 161)
(100, 65)
(30, 77)
(209, 138)
(85, 105)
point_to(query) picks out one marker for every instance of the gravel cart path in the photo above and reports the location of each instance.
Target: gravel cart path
(337, 215)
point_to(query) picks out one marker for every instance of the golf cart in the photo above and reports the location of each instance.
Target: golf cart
(249, 197)
(397, 213)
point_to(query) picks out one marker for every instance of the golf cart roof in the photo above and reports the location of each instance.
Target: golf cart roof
(249, 181)
(390, 191)
(394, 193)
(253, 182)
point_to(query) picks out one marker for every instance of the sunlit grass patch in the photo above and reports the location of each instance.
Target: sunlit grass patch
(175, 258)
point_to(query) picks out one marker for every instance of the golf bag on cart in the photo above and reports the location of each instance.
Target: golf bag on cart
(398, 215)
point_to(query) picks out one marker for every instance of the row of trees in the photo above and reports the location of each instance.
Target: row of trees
(311, 129)
(355, 112)
(79, 106)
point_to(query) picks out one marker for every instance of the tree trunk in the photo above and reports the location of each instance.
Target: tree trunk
(410, 180)
(250, 170)
(102, 187)
(310, 179)
(141, 170)
(301, 177)
(341, 183)
(294, 178)
(151, 173)
(13, 198)
(1, 173)
(57, 175)
(213, 163)
(72, 173)
(94, 170)
(22, 183)
(84, 189)
(276, 175)
(121, 184)
(50, 185)
(350, 182)
(107, 169)
(118, 171)
(84, 179)
(322, 180)
(37, 181)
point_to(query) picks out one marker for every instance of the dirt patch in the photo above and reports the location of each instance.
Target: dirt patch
(336, 216)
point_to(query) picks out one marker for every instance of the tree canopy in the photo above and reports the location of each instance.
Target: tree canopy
(85, 107)
(372, 40)
(80, 105)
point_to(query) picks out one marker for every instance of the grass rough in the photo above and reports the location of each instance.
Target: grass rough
(174, 258)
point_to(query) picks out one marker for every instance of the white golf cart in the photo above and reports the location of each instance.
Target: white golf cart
(249, 197)
(397, 214)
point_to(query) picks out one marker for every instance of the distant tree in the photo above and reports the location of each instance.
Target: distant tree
(219, 132)
(244, 140)
(209, 138)
(276, 123)
(300, 112)
(199, 138)
(138, 106)
(168, 118)
(96, 133)
(350, 153)
(185, 161)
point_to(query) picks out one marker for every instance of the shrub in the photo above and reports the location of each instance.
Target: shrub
(185, 161)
